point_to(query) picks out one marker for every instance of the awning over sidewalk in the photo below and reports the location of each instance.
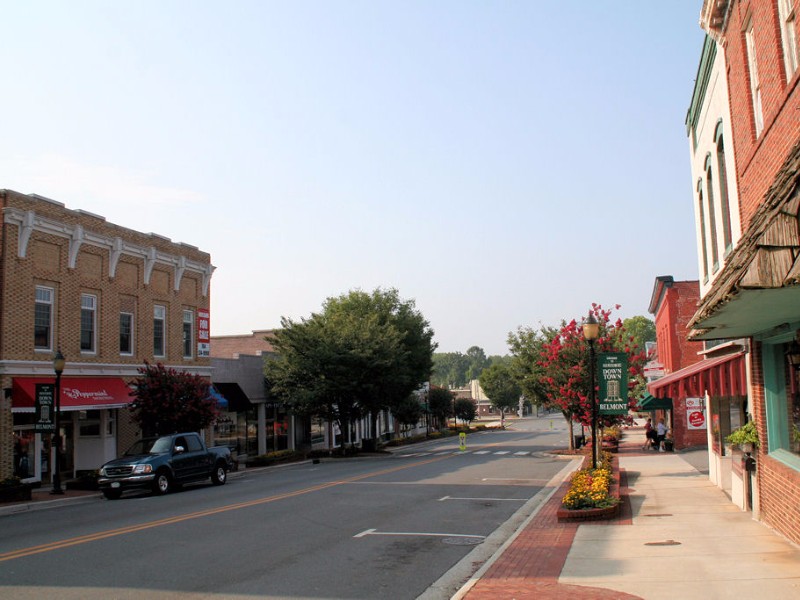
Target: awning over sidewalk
(77, 393)
(237, 399)
(720, 376)
(652, 403)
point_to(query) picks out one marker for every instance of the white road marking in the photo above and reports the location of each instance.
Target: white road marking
(486, 499)
(521, 453)
(482, 452)
(503, 452)
(413, 533)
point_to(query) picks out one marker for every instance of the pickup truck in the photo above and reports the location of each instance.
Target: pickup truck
(161, 463)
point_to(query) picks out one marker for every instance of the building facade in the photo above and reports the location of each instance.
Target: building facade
(755, 295)
(108, 298)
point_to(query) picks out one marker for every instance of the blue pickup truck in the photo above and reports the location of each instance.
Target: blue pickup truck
(161, 463)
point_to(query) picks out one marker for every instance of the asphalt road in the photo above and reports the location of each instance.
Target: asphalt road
(377, 527)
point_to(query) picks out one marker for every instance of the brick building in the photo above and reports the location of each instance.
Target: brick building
(109, 298)
(755, 294)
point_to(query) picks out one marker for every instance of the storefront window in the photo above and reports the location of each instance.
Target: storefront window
(727, 413)
(89, 423)
(793, 411)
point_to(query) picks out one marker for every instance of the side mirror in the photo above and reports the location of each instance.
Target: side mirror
(179, 449)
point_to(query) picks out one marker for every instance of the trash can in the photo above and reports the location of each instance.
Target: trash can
(668, 446)
(580, 441)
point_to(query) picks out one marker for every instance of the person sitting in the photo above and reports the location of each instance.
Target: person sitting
(661, 433)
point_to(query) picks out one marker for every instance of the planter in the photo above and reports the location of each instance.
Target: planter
(581, 515)
(15, 493)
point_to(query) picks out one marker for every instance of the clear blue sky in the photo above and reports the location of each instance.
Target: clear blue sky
(502, 163)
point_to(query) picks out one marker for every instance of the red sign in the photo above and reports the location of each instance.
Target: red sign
(203, 332)
(697, 419)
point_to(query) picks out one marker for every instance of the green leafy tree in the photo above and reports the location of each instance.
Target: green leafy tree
(526, 346)
(168, 401)
(465, 410)
(440, 404)
(502, 389)
(639, 330)
(408, 412)
(361, 354)
(477, 362)
(449, 369)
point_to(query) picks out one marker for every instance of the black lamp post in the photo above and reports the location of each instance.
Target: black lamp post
(58, 367)
(591, 330)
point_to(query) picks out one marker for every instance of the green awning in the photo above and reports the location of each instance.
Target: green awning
(650, 402)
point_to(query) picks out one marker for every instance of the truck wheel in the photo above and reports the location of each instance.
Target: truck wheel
(162, 483)
(219, 475)
(112, 494)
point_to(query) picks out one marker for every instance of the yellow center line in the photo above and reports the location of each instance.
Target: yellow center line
(101, 535)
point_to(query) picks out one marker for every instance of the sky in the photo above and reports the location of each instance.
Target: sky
(501, 163)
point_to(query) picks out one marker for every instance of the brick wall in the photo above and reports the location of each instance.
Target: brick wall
(682, 436)
(54, 260)
(759, 159)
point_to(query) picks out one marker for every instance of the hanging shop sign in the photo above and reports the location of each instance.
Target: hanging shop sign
(45, 411)
(695, 413)
(203, 333)
(612, 369)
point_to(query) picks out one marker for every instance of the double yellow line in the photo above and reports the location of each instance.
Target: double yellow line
(101, 535)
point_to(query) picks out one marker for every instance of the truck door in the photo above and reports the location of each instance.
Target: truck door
(198, 458)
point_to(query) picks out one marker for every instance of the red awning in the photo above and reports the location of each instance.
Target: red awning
(720, 376)
(77, 393)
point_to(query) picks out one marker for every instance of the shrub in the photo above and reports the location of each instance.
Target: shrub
(589, 488)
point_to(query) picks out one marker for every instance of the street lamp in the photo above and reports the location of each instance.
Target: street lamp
(58, 367)
(591, 331)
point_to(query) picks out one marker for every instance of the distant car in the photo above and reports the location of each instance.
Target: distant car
(159, 464)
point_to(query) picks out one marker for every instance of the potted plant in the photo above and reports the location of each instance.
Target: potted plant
(746, 437)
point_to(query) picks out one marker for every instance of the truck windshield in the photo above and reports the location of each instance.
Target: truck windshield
(149, 446)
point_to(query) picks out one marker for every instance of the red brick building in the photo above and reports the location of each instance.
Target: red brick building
(756, 295)
(108, 298)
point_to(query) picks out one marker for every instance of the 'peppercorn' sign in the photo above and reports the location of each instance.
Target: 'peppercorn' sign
(612, 370)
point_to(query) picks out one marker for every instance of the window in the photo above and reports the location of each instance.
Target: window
(188, 320)
(88, 322)
(727, 236)
(43, 319)
(159, 330)
(125, 333)
(712, 214)
(788, 36)
(703, 244)
(755, 84)
(89, 423)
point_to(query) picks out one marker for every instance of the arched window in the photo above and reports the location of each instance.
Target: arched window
(703, 244)
(712, 214)
(724, 201)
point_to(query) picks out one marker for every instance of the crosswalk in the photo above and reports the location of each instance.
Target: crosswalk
(463, 452)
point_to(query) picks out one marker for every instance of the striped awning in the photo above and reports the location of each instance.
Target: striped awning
(719, 376)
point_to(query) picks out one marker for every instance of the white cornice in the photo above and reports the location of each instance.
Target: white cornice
(39, 368)
(29, 221)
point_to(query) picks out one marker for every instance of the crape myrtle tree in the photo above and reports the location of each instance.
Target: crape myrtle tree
(167, 400)
(440, 405)
(501, 388)
(363, 353)
(565, 367)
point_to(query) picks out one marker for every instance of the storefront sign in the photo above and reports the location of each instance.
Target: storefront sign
(45, 411)
(695, 413)
(612, 370)
(203, 333)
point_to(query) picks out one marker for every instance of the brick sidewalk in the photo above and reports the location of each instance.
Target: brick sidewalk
(531, 565)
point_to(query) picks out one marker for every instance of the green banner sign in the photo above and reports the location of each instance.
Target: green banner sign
(612, 372)
(45, 410)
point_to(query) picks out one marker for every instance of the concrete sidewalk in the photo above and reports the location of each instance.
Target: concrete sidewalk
(679, 536)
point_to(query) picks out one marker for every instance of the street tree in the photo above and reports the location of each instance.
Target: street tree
(408, 412)
(501, 388)
(167, 400)
(363, 353)
(565, 361)
(465, 410)
(527, 345)
(440, 404)
(640, 330)
(477, 362)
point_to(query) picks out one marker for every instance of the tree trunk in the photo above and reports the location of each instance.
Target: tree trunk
(568, 418)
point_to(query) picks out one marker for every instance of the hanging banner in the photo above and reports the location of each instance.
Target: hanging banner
(203, 333)
(45, 409)
(612, 371)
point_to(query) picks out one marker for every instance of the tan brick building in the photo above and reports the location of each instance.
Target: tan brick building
(109, 298)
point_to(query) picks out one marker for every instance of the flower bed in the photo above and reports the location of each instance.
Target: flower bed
(593, 494)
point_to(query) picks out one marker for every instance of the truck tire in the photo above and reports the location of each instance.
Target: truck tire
(162, 483)
(220, 474)
(112, 494)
